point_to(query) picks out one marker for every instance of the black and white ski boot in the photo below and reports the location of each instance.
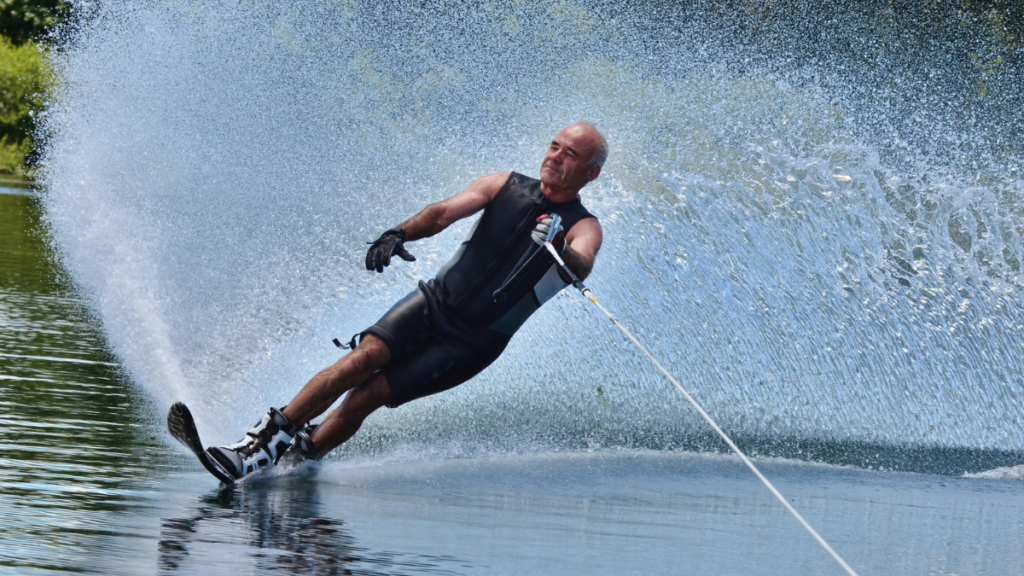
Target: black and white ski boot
(262, 446)
(302, 448)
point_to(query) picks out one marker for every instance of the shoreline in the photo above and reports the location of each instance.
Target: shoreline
(15, 182)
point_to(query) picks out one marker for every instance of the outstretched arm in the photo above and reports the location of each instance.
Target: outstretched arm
(432, 220)
(581, 246)
(436, 217)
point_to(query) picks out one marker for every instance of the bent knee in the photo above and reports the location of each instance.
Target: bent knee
(368, 397)
(373, 351)
(370, 355)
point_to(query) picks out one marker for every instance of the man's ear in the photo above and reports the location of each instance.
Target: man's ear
(594, 172)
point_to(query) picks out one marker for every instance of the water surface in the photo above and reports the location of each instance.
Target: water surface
(92, 484)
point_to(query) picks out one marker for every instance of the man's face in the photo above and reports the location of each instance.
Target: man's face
(565, 164)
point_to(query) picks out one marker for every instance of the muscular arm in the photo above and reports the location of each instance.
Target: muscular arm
(582, 243)
(436, 217)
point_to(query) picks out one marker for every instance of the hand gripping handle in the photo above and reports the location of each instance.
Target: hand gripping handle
(502, 292)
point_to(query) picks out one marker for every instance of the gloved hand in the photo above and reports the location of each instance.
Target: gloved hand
(383, 248)
(540, 233)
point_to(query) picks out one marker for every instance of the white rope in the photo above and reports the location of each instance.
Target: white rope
(590, 295)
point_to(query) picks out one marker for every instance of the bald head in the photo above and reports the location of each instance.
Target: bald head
(573, 159)
(600, 153)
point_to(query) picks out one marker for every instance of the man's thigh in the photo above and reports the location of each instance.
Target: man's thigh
(404, 327)
(439, 364)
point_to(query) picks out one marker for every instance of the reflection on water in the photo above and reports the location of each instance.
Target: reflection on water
(279, 527)
(618, 512)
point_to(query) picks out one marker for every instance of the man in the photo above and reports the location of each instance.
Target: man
(452, 327)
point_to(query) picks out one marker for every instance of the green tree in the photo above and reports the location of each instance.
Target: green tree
(24, 80)
(24, 20)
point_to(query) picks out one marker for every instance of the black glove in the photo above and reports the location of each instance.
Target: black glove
(383, 248)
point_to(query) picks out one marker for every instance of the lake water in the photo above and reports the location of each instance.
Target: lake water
(812, 217)
(92, 484)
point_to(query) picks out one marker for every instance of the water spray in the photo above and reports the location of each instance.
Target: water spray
(579, 285)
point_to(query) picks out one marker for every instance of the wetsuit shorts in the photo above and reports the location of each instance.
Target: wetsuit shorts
(430, 352)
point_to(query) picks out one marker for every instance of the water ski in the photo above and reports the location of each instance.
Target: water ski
(183, 427)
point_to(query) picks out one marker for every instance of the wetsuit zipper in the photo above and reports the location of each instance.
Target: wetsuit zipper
(488, 272)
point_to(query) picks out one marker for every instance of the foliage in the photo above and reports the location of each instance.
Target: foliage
(12, 158)
(24, 80)
(24, 20)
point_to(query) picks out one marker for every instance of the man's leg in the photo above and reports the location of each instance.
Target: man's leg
(329, 384)
(345, 420)
(265, 443)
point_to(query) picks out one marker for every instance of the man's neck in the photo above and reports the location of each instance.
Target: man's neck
(559, 194)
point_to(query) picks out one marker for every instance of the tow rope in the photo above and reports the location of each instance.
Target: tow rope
(714, 426)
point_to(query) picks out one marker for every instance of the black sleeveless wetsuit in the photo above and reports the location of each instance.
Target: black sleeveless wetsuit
(450, 328)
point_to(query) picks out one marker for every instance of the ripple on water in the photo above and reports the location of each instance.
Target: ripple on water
(74, 447)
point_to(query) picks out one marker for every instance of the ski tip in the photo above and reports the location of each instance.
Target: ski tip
(179, 417)
(178, 410)
(181, 425)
